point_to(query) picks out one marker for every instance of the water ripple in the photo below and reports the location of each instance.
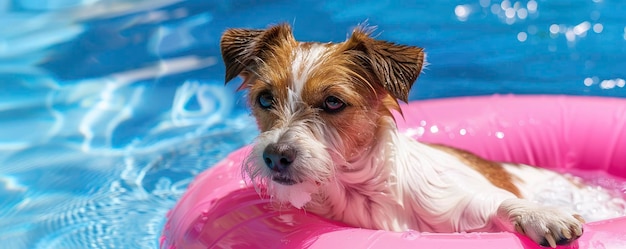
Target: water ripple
(108, 108)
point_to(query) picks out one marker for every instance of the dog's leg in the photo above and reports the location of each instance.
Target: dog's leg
(547, 226)
(487, 206)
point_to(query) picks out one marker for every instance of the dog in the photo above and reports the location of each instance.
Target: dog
(329, 143)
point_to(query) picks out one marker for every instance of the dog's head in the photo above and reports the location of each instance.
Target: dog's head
(318, 105)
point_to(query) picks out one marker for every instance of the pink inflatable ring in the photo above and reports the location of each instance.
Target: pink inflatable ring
(581, 134)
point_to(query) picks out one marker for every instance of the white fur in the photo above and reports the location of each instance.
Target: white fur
(412, 186)
(305, 61)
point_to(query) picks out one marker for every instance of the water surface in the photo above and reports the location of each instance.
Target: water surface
(109, 108)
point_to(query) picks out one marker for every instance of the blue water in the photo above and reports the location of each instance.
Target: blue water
(108, 108)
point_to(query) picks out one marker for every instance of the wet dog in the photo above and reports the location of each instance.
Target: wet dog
(329, 143)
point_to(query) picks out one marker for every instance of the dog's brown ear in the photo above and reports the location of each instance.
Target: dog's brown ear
(396, 67)
(243, 49)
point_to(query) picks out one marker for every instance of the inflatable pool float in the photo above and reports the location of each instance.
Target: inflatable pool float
(565, 133)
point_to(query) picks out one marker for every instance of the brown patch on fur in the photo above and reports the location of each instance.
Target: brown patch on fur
(255, 55)
(343, 77)
(494, 172)
(395, 67)
(247, 52)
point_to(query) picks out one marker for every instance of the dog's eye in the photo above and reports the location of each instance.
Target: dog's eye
(266, 100)
(333, 104)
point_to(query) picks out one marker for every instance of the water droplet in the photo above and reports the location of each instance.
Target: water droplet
(485, 3)
(522, 13)
(522, 36)
(462, 12)
(410, 235)
(554, 28)
(598, 27)
(531, 6)
(500, 134)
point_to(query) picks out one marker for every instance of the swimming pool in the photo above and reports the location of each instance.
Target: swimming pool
(109, 108)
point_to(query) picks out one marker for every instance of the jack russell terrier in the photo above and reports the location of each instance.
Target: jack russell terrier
(329, 143)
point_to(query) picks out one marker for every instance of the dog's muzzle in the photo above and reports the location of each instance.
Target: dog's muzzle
(279, 157)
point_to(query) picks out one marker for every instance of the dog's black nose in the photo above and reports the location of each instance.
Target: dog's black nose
(279, 156)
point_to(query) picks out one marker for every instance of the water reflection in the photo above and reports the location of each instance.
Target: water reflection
(511, 12)
(108, 108)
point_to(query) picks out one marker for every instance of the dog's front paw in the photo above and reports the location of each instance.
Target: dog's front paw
(547, 226)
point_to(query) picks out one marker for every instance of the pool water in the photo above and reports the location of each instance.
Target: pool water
(109, 108)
